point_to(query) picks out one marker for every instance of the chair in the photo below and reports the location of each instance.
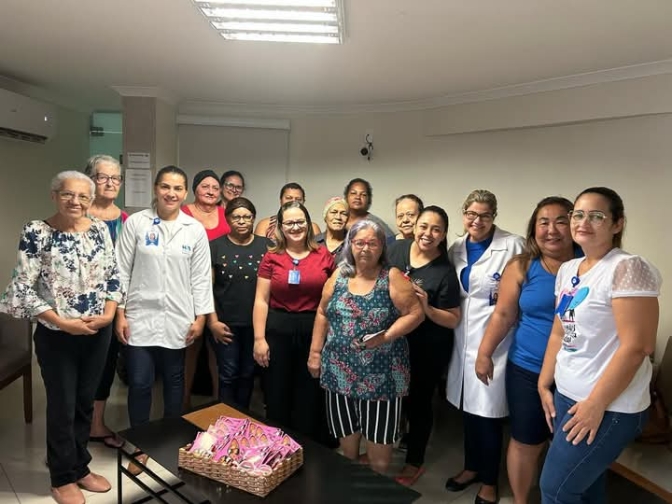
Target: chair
(16, 353)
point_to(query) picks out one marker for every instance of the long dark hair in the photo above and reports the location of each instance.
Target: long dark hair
(531, 250)
(443, 246)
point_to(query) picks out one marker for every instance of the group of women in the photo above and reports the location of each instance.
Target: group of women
(350, 326)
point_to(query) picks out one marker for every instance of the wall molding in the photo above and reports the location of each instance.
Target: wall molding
(234, 122)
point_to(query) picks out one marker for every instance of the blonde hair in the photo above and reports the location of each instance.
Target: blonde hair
(481, 196)
(280, 241)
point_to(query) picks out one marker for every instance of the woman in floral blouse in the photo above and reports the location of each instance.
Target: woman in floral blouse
(66, 277)
(366, 310)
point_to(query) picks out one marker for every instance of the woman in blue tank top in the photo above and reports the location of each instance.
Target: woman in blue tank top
(527, 298)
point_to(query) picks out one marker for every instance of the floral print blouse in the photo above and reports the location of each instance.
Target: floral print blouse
(73, 274)
(380, 374)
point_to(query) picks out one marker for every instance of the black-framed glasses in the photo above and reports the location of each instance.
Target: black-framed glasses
(70, 196)
(101, 178)
(472, 216)
(595, 217)
(296, 223)
(242, 218)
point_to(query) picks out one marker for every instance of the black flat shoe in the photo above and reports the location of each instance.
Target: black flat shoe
(454, 486)
(481, 500)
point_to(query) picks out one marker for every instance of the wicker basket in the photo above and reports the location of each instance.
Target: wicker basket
(257, 485)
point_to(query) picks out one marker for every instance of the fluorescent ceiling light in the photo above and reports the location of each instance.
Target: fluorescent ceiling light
(316, 21)
(283, 37)
(274, 3)
(278, 15)
(273, 27)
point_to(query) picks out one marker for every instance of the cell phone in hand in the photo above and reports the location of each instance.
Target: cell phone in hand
(367, 337)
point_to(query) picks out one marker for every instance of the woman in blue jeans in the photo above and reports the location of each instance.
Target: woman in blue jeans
(598, 353)
(164, 260)
(235, 261)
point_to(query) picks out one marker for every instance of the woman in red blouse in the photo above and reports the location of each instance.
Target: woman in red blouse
(289, 288)
(204, 209)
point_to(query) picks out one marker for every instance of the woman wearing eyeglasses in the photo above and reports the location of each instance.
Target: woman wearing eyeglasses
(358, 346)
(206, 211)
(105, 171)
(289, 192)
(66, 278)
(289, 286)
(232, 185)
(598, 353)
(235, 262)
(479, 258)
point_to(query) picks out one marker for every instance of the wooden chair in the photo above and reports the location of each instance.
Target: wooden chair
(16, 354)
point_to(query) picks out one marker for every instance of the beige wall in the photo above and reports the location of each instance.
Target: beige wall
(521, 166)
(26, 170)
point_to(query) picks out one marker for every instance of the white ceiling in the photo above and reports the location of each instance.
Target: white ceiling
(394, 51)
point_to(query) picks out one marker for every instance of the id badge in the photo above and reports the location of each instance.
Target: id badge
(294, 277)
(494, 288)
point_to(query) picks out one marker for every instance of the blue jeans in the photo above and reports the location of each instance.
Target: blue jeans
(235, 362)
(141, 363)
(577, 474)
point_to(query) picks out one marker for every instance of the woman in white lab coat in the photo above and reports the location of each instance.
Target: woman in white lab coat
(164, 261)
(479, 258)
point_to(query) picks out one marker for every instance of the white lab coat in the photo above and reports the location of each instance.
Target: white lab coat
(486, 401)
(168, 281)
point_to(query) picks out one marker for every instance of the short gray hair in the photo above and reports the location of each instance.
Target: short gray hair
(92, 163)
(58, 181)
(347, 264)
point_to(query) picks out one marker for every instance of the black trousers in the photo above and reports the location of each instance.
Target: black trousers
(294, 398)
(71, 367)
(483, 439)
(429, 354)
(110, 368)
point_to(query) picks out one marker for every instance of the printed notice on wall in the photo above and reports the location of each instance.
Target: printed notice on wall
(138, 188)
(138, 160)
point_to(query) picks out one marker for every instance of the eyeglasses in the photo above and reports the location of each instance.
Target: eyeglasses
(472, 216)
(104, 179)
(595, 217)
(410, 215)
(296, 223)
(360, 244)
(70, 196)
(242, 218)
(233, 187)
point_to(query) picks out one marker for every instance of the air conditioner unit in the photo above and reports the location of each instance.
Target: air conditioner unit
(23, 118)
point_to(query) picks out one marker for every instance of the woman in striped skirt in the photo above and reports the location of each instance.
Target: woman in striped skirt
(358, 346)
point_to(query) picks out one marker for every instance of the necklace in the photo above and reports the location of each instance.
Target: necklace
(552, 271)
(204, 211)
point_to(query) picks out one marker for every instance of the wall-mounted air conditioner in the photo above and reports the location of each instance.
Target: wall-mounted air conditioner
(23, 118)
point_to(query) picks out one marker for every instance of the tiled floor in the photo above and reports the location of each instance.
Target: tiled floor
(24, 478)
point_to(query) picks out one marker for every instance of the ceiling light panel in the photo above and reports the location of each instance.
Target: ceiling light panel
(308, 21)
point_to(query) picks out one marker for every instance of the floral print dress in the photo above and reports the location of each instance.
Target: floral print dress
(380, 374)
(73, 274)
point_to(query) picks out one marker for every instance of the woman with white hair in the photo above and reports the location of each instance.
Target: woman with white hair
(358, 345)
(66, 277)
(105, 171)
(335, 215)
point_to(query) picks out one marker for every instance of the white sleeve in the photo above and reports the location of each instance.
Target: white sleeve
(126, 255)
(635, 277)
(201, 274)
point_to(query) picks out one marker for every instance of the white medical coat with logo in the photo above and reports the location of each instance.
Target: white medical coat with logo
(166, 274)
(477, 307)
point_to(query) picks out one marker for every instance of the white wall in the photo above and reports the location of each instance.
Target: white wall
(26, 170)
(632, 155)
